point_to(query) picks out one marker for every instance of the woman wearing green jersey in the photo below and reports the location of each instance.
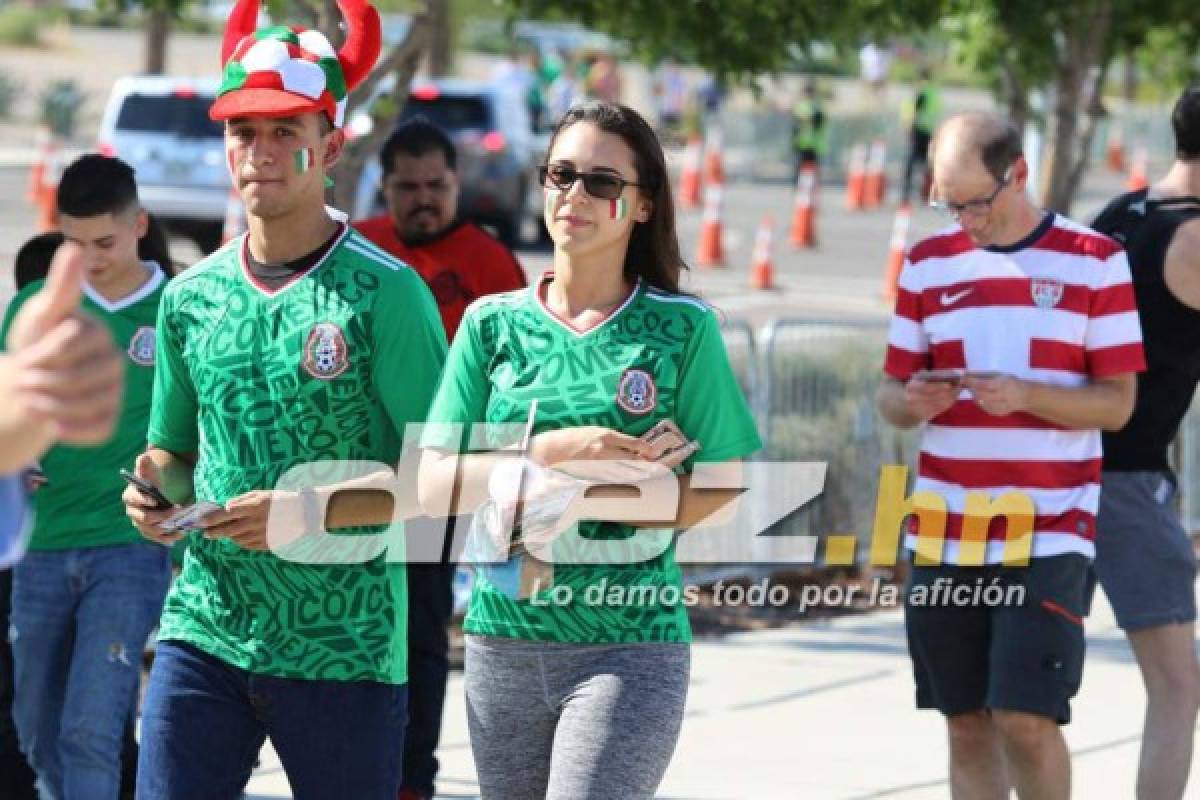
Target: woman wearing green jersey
(576, 681)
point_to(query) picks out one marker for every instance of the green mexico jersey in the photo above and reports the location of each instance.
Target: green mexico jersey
(80, 505)
(328, 367)
(658, 356)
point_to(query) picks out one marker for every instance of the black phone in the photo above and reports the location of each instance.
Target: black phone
(161, 503)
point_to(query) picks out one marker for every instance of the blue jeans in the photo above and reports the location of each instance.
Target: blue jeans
(80, 620)
(203, 722)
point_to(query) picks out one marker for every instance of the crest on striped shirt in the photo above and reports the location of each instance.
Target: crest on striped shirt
(1046, 292)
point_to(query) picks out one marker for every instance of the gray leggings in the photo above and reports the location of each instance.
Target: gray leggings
(573, 722)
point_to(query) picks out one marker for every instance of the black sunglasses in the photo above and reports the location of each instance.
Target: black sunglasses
(603, 185)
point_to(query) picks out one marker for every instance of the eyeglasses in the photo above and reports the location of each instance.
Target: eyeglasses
(602, 185)
(973, 208)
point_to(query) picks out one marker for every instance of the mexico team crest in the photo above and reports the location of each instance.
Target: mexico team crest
(325, 352)
(1046, 292)
(636, 392)
(141, 347)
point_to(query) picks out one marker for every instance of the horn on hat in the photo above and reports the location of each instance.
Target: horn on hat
(363, 40)
(243, 20)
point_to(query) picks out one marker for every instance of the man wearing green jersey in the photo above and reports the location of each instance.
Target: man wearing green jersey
(89, 591)
(298, 343)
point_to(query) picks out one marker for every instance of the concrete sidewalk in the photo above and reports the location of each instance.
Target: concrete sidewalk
(824, 710)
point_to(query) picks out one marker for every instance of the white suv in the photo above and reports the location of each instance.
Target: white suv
(160, 127)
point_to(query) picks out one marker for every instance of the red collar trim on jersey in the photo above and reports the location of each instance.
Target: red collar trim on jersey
(536, 288)
(267, 290)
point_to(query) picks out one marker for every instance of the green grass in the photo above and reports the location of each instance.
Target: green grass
(20, 26)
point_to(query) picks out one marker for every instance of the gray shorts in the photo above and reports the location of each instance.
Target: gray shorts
(573, 721)
(1144, 558)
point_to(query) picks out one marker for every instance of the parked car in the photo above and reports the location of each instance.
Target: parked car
(160, 127)
(498, 153)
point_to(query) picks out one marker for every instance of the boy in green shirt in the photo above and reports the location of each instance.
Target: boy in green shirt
(89, 591)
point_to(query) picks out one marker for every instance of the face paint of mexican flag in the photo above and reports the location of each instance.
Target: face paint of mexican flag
(618, 208)
(551, 201)
(304, 159)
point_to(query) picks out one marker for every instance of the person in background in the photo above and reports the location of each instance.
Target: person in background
(924, 113)
(809, 129)
(1144, 556)
(670, 96)
(460, 262)
(88, 593)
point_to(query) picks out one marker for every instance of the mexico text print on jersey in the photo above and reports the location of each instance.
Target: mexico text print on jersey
(991, 530)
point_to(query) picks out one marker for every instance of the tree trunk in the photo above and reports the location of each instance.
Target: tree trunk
(1095, 113)
(329, 22)
(158, 26)
(441, 54)
(1081, 43)
(402, 63)
(1016, 96)
(1129, 79)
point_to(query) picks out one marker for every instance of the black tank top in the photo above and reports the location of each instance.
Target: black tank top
(1170, 330)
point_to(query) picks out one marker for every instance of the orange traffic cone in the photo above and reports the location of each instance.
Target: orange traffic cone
(235, 217)
(762, 273)
(714, 170)
(875, 179)
(44, 176)
(689, 179)
(895, 261)
(804, 211)
(1115, 152)
(37, 171)
(1137, 170)
(855, 178)
(710, 253)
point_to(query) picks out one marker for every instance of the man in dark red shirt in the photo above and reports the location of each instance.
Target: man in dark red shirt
(460, 262)
(458, 259)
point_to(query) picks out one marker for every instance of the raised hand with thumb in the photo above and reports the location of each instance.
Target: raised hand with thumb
(70, 376)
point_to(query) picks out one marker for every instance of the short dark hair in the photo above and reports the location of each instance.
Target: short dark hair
(1185, 119)
(1000, 148)
(94, 184)
(33, 259)
(155, 247)
(415, 138)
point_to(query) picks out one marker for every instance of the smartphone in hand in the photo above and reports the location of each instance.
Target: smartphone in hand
(149, 490)
(952, 377)
(677, 447)
(189, 517)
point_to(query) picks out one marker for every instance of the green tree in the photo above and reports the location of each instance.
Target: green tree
(753, 37)
(735, 38)
(1067, 46)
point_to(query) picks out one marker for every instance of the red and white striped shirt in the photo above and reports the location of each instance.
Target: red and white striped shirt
(1057, 308)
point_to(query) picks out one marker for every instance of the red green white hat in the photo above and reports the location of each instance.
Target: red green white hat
(288, 70)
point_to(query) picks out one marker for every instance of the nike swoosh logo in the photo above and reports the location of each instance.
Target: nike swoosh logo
(951, 299)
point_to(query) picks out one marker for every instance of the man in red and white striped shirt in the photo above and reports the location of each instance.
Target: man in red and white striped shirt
(1014, 343)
